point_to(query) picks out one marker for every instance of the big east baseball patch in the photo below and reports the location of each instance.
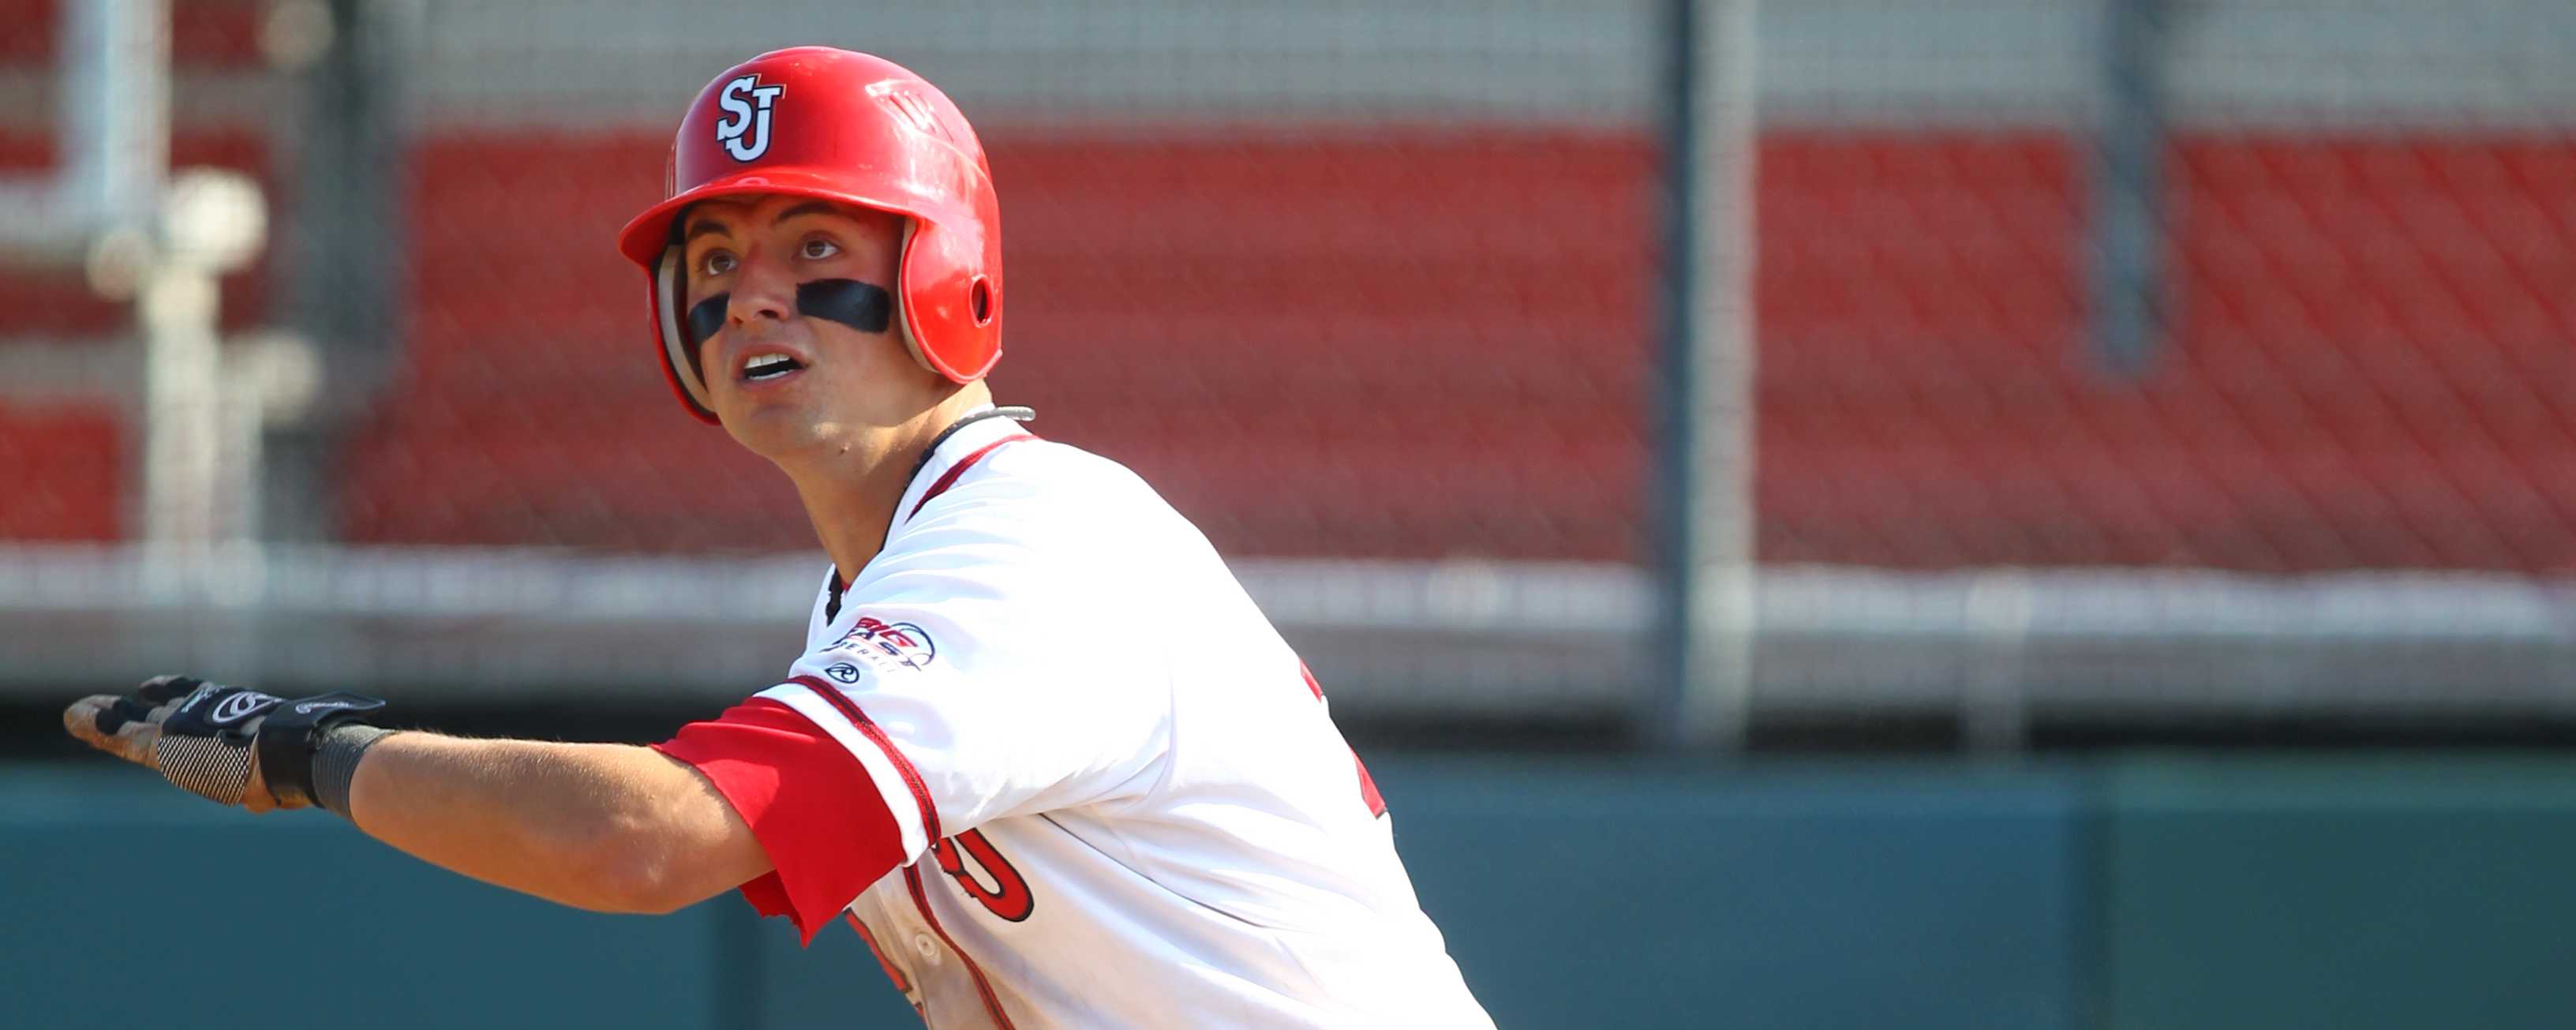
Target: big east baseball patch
(903, 644)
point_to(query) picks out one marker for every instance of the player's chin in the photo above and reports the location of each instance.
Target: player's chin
(774, 428)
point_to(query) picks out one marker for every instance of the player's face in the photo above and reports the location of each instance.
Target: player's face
(791, 301)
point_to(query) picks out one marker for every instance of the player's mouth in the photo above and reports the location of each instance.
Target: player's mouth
(761, 367)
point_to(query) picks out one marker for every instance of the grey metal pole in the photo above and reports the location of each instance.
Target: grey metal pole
(2128, 187)
(119, 90)
(1706, 408)
(114, 139)
(181, 411)
(346, 255)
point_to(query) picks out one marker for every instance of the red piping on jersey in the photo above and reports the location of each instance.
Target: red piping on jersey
(903, 766)
(949, 478)
(901, 982)
(929, 815)
(1368, 784)
(921, 900)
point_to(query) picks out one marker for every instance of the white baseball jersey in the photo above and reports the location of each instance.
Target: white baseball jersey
(1049, 759)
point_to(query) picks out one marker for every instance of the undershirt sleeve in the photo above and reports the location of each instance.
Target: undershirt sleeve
(823, 822)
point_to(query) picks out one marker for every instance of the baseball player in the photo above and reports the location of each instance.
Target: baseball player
(1040, 749)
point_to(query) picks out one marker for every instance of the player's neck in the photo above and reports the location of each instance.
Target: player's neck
(852, 494)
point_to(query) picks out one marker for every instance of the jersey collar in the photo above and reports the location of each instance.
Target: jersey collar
(965, 438)
(968, 436)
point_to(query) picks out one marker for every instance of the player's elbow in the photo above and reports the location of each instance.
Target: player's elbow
(631, 868)
(657, 846)
(668, 857)
(645, 869)
(601, 860)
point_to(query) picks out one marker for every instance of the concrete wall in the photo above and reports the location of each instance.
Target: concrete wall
(2139, 894)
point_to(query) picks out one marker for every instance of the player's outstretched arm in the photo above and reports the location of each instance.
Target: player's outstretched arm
(607, 827)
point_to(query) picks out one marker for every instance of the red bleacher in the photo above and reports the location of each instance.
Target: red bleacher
(63, 466)
(1407, 344)
(1306, 345)
(2370, 361)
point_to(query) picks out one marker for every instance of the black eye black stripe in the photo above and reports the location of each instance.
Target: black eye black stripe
(865, 307)
(707, 318)
(861, 306)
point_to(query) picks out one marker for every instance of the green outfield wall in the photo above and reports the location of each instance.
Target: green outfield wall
(2140, 893)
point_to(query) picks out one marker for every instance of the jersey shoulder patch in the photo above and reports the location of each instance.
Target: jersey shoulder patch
(888, 645)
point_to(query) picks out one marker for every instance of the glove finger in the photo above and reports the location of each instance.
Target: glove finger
(165, 688)
(135, 743)
(131, 740)
(82, 719)
(121, 711)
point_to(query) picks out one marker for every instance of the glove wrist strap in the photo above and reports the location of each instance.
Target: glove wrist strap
(293, 731)
(335, 764)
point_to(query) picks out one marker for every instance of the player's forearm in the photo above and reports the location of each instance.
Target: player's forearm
(606, 827)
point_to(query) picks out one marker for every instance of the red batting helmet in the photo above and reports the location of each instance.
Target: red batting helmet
(859, 130)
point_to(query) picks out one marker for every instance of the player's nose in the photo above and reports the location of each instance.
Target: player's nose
(763, 290)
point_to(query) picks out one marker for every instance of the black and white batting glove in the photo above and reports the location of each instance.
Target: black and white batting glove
(215, 741)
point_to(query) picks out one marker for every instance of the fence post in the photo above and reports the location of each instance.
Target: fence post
(2128, 185)
(1705, 402)
(349, 245)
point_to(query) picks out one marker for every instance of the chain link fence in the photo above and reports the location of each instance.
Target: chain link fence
(2117, 360)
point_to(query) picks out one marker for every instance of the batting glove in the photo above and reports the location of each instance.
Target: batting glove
(216, 741)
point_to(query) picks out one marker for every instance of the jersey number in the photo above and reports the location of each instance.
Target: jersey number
(1008, 897)
(1368, 786)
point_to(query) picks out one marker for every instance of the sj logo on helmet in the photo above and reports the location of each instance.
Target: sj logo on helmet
(744, 130)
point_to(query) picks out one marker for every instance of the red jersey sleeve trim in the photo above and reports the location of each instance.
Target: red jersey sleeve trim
(912, 780)
(811, 804)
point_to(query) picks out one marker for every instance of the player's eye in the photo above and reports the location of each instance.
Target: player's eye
(715, 262)
(819, 248)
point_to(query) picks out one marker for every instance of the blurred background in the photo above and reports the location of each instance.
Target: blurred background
(1820, 513)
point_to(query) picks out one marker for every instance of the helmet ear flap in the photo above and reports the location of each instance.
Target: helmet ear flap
(679, 353)
(949, 302)
(903, 325)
